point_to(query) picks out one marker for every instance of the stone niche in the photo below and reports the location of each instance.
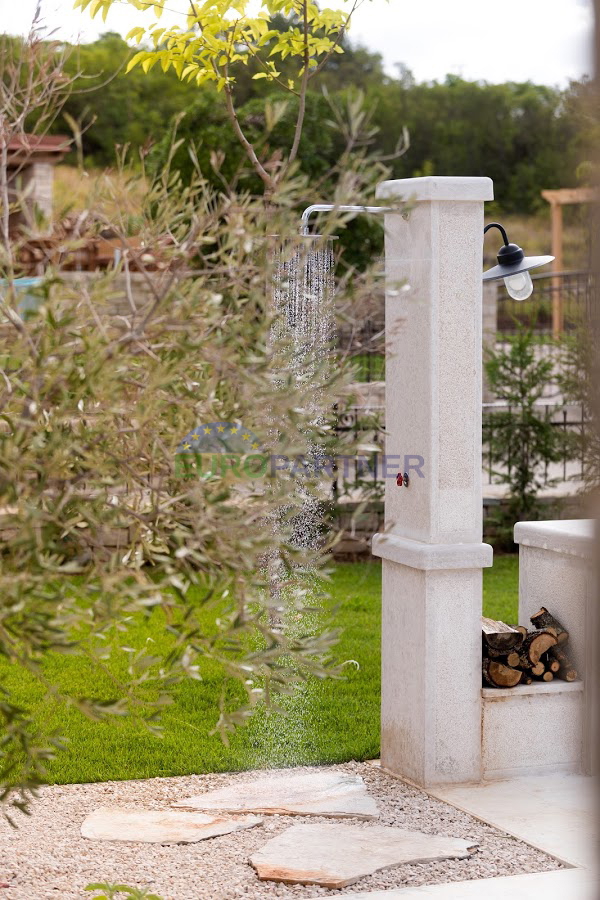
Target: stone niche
(31, 161)
(548, 728)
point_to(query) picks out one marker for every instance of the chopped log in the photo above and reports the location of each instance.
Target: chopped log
(498, 645)
(566, 671)
(513, 660)
(496, 674)
(499, 638)
(526, 679)
(525, 665)
(536, 644)
(546, 675)
(543, 620)
(553, 665)
(491, 626)
(522, 629)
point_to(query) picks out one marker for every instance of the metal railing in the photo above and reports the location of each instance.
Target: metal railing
(571, 421)
(364, 347)
(365, 472)
(561, 302)
(353, 473)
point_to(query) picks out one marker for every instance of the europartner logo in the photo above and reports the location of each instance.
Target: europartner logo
(215, 448)
(219, 448)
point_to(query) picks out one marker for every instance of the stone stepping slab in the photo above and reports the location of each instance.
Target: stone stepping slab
(335, 856)
(159, 826)
(334, 794)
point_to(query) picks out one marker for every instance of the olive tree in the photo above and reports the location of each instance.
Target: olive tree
(97, 388)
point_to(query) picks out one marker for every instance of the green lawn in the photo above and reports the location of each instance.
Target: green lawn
(329, 721)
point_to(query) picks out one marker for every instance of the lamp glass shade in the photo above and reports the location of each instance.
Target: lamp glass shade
(519, 285)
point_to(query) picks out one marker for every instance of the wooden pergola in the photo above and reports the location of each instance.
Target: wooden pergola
(557, 199)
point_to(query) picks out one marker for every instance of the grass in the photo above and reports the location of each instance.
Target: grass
(369, 366)
(326, 721)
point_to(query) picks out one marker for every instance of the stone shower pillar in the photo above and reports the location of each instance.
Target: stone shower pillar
(431, 546)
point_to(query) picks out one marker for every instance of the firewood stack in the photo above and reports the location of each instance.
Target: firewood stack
(513, 655)
(79, 243)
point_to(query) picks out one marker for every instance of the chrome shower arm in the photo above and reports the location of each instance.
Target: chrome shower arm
(328, 207)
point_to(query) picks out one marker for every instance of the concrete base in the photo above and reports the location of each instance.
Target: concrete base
(532, 730)
(555, 813)
(564, 884)
(430, 693)
(556, 570)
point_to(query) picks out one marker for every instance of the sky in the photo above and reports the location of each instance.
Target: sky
(545, 41)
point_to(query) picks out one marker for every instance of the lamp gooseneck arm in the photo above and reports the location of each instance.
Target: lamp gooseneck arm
(500, 229)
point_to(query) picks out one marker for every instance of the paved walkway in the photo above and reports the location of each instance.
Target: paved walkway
(564, 884)
(555, 813)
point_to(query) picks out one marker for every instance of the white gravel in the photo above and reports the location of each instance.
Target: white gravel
(47, 857)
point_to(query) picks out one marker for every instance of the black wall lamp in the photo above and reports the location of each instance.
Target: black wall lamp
(514, 267)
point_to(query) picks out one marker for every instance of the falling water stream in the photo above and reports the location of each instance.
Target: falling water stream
(303, 290)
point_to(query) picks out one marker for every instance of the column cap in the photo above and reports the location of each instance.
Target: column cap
(427, 557)
(437, 187)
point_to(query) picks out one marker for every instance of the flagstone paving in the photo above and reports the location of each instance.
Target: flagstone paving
(47, 857)
(160, 826)
(327, 793)
(335, 856)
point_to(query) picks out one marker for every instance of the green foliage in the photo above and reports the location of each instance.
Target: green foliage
(329, 135)
(116, 110)
(526, 137)
(96, 393)
(268, 124)
(114, 892)
(521, 437)
(209, 46)
(520, 135)
(578, 382)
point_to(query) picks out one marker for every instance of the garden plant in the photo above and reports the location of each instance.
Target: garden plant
(95, 396)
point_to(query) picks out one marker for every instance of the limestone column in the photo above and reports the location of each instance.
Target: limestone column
(431, 547)
(490, 329)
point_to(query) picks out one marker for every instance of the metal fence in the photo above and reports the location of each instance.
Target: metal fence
(364, 347)
(571, 423)
(364, 473)
(577, 292)
(571, 294)
(353, 474)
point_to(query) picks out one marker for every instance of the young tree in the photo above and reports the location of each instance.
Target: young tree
(521, 437)
(216, 38)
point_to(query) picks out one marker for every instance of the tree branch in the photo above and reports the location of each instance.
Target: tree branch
(303, 88)
(339, 38)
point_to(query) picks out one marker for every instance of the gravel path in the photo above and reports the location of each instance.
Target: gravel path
(47, 858)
